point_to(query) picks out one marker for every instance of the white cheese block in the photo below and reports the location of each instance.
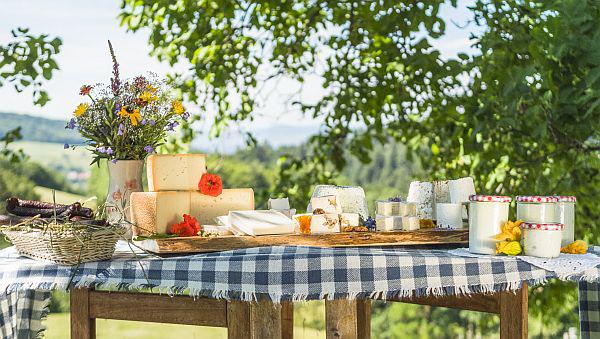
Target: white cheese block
(325, 223)
(349, 219)
(407, 209)
(351, 198)
(421, 193)
(389, 208)
(388, 223)
(410, 223)
(156, 212)
(261, 222)
(218, 230)
(175, 172)
(449, 215)
(325, 204)
(461, 189)
(206, 208)
(279, 204)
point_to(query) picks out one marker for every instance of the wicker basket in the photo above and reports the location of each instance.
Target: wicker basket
(65, 248)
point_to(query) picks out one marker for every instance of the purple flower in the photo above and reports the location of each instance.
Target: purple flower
(71, 124)
(185, 115)
(109, 151)
(115, 82)
(171, 126)
(143, 122)
(117, 107)
(65, 146)
(149, 149)
(121, 128)
(152, 123)
(114, 161)
(101, 149)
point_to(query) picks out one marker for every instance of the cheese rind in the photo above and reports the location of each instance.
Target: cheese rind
(421, 193)
(207, 208)
(156, 212)
(175, 172)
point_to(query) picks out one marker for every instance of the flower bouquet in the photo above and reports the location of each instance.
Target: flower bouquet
(124, 122)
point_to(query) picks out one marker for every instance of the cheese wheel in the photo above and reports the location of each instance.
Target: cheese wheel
(206, 208)
(175, 172)
(156, 212)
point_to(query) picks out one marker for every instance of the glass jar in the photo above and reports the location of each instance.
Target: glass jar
(565, 208)
(537, 209)
(542, 240)
(487, 214)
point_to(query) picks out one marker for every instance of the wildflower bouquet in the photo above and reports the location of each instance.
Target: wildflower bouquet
(128, 119)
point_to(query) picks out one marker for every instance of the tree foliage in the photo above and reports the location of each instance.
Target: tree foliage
(28, 61)
(521, 114)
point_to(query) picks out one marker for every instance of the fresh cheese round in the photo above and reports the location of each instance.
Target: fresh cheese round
(351, 199)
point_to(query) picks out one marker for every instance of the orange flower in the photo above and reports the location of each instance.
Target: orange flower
(85, 90)
(189, 227)
(210, 184)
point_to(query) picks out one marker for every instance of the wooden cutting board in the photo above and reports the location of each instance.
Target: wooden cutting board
(345, 239)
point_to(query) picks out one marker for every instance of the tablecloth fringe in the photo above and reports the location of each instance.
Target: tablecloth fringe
(463, 290)
(39, 331)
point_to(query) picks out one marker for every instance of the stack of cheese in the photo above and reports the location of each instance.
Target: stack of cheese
(326, 216)
(281, 205)
(442, 201)
(173, 183)
(395, 215)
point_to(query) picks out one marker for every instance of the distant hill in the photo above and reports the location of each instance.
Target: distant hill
(36, 128)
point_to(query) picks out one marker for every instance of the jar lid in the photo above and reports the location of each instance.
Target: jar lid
(536, 198)
(566, 198)
(543, 227)
(489, 198)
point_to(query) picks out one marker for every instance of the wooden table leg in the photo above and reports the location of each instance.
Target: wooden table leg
(254, 320)
(513, 314)
(287, 320)
(348, 319)
(83, 326)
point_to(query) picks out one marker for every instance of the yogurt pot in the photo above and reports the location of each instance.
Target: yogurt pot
(542, 240)
(537, 209)
(487, 213)
(565, 208)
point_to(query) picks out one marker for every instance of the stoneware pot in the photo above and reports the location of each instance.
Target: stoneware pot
(125, 176)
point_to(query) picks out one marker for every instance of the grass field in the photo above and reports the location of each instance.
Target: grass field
(54, 155)
(58, 328)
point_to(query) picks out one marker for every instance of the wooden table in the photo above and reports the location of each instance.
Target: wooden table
(264, 319)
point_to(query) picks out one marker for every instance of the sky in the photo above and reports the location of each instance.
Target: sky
(85, 26)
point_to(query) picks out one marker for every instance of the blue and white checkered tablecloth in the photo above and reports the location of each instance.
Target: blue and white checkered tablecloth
(281, 273)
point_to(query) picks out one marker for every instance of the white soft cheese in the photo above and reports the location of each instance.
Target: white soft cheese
(352, 199)
(325, 223)
(175, 172)
(261, 222)
(278, 204)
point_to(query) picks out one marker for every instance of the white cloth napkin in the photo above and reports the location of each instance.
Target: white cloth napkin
(564, 266)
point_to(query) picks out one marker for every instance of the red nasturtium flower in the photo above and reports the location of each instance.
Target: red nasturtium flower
(210, 184)
(189, 227)
(85, 90)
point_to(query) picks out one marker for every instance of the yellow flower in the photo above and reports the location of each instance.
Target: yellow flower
(150, 88)
(134, 115)
(148, 96)
(81, 109)
(178, 107)
(510, 231)
(509, 247)
(578, 247)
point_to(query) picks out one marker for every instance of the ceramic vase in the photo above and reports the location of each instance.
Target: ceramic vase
(125, 177)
